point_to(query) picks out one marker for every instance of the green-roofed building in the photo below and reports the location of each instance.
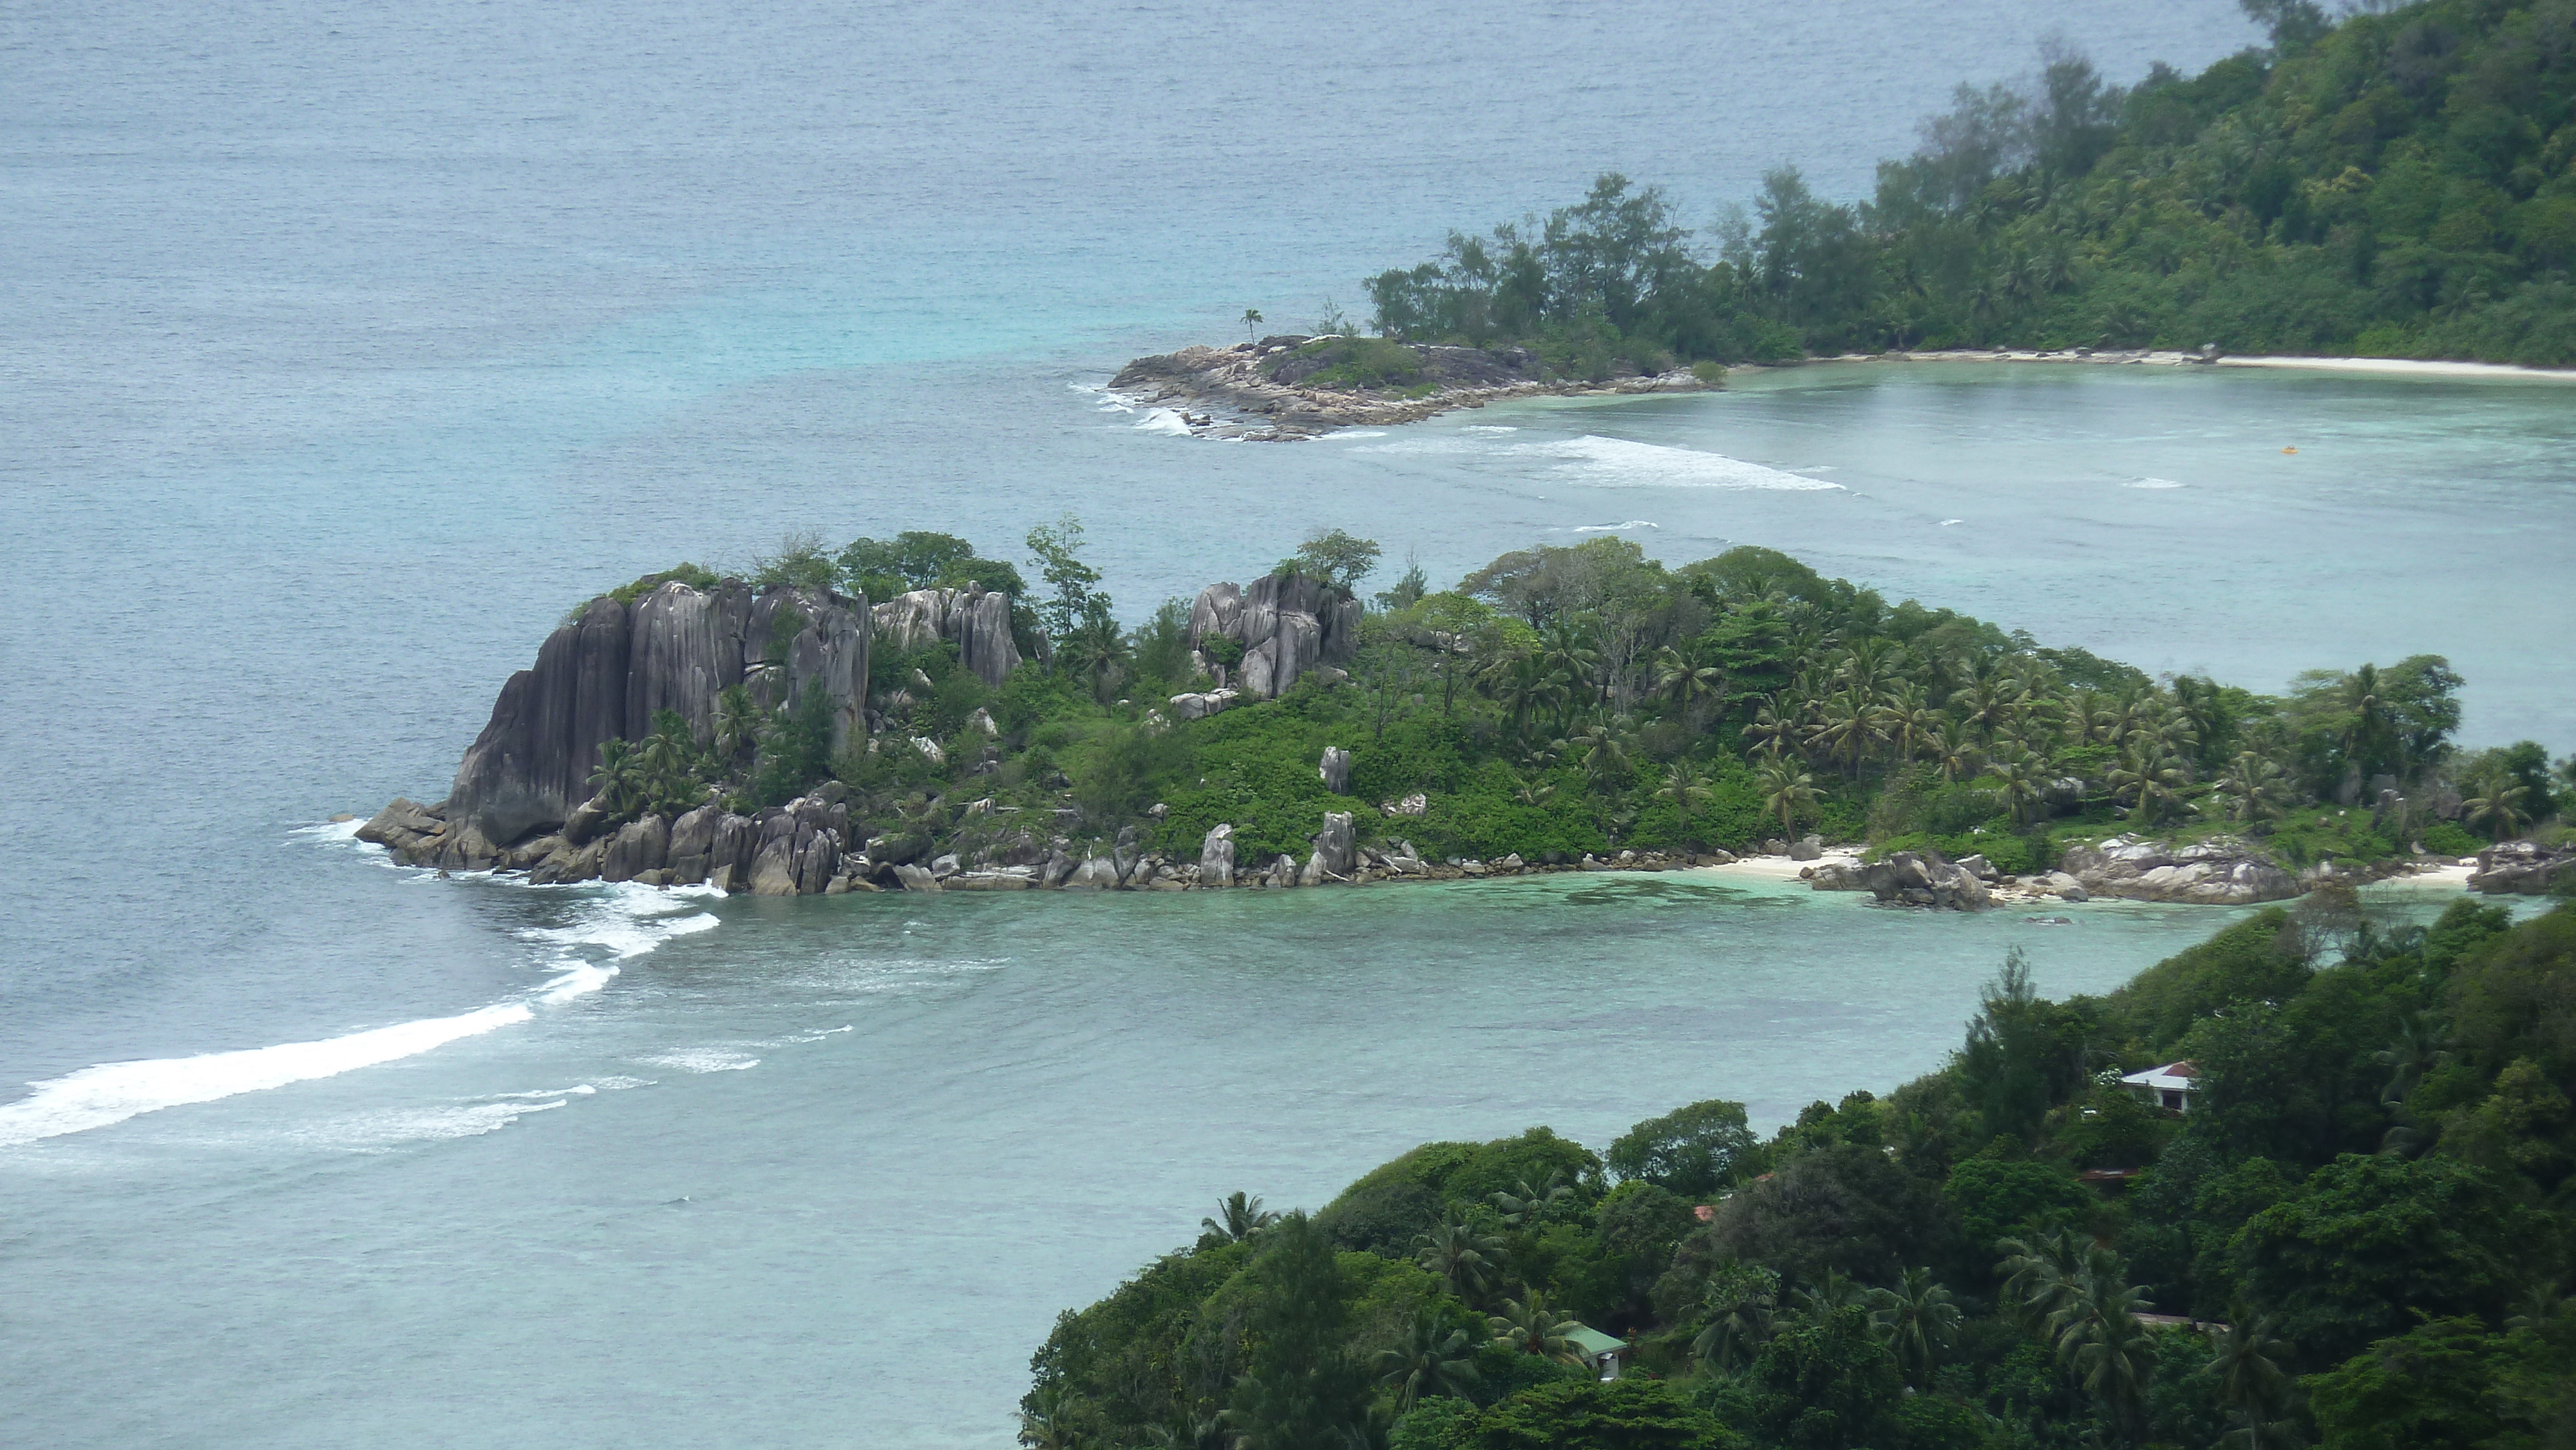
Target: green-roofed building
(1599, 1350)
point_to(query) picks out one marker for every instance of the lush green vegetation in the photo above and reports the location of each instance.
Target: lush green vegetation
(1563, 701)
(2401, 183)
(2367, 1206)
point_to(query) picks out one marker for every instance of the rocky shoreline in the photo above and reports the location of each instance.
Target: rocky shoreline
(803, 849)
(2220, 871)
(1244, 392)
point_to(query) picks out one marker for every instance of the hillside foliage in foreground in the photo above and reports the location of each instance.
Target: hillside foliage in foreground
(2367, 1206)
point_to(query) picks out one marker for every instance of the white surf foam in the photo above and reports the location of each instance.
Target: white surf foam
(624, 921)
(1349, 435)
(1622, 462)
(1945, 523)
(1489, 428)
(1613, 528)
(115, 1091)
(706, 1059)
(1163, 420)
(2150, 483)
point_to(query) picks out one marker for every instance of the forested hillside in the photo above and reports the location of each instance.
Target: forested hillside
(2398, 184)
(2366, 1207)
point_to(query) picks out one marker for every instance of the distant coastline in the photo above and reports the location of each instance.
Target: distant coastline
(1238, 393)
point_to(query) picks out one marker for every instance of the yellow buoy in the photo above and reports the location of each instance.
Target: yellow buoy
(2289, 450)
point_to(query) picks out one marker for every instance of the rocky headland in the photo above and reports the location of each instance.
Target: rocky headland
(1289, 387)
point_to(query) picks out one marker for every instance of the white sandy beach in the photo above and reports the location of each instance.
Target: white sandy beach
(2381, 366)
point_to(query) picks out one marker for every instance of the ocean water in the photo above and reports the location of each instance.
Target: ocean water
(343, 348)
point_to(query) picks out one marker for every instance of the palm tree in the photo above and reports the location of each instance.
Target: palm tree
(1528, 1326)
(2018, 783)
(738, 725)
(1044, 1427)
(1773, 726)
(2497, 808)
(1785, 789)
(1846, 728)
(1566, 652)
(1534, 789)
(1429, 1360)
(2246, 1361)
(1518, 1204)
(1834, 1291)
(1239, 1217)
(618, 782)
(1462, 1254)
(1685, 787)
(2109, 1350)
(1603, 753)
(2148, 777)
(1251, 320)
(2367, 726)
(2085, 715)
(1917, 1316)
(1984, 705)
(2037, 1272)
(1954, 751)
(1738, 1325)
(2081, 1301)
(1693, 685)
(1909, 721)
(2252, 787)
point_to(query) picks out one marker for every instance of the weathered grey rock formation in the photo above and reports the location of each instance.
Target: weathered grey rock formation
(2521, 868)
(976, 619)
(1216, 857)
(1200, 706)
(1835, 876)
(799, 849)
(1336, 770)
(2221, 871)
(693, 840)
(1924, 878)
(639, 846)
(1286, 624)
(1269, 390)
(602, 677)
(1333, 844)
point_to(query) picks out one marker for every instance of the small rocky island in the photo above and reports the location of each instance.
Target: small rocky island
(902, 715)
(1288, 387)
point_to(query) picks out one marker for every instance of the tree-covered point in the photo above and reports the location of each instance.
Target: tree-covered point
(1569, 700)
(2355, 1236)
(2400, 183)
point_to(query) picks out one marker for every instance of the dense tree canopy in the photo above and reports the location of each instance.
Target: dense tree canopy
(1928, 1271)
(2401, 182)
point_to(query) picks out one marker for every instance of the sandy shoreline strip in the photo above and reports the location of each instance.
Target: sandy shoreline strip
(2396, 367)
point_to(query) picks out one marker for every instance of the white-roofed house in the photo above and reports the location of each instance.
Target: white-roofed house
(2169, 1086)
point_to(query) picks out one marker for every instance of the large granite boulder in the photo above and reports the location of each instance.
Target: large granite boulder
(977, 620)
(1195, 706)
(693, 840)
(1924, 878)
(2221, 871)
(402, 824)
(799, 847)
(1286, 624)
(1336, 770)
(1216, 857)
(737, 840)
(2521, 868)
(1334, 845)
(639, 846)
(603, 675)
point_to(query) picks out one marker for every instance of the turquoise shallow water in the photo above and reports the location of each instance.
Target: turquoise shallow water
(345, 347)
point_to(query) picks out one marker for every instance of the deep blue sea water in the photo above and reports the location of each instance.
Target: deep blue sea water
(343, 347)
